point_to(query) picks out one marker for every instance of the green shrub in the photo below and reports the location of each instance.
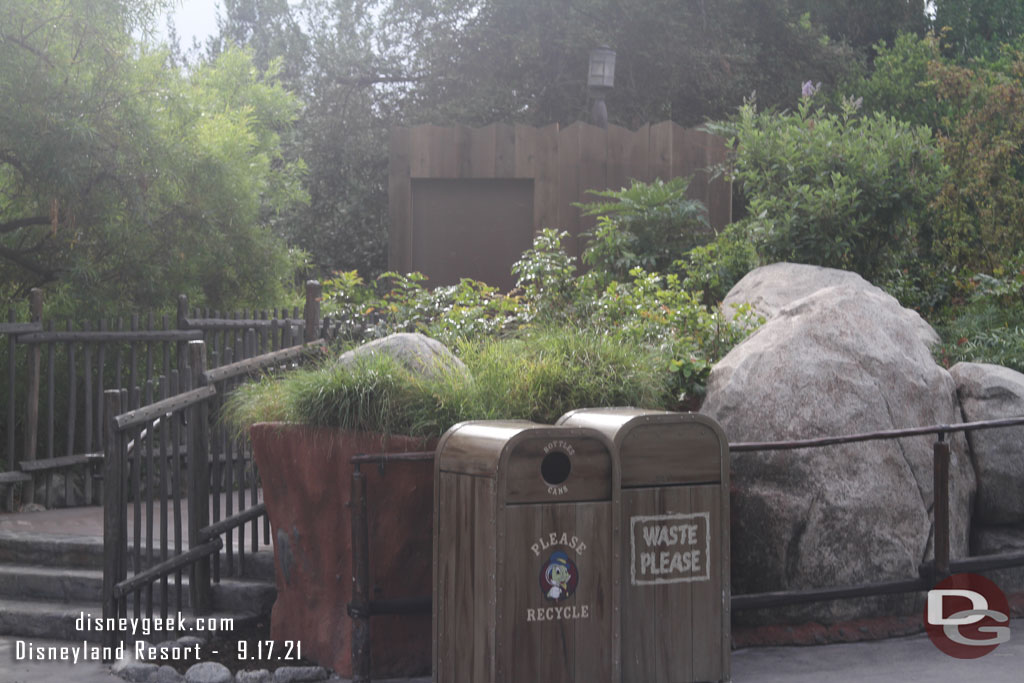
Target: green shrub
(647, 225)
(536, 377)
(835, 189)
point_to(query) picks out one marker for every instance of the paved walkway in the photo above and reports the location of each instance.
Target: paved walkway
(887, 661)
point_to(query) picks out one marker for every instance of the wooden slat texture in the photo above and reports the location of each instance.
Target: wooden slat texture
(399, 198)
(671, 454)
(562, 163)
(710, 620)
(590, 477)
(618, 166)
(32, 405)
(524, 163)
(569, 184)
(720, 189)
(660, 159)
(592, 176)
(546, 180)
(481, 152)
(504, 151)
(463, 145)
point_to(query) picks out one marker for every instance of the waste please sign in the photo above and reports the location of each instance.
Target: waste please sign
(670, 548)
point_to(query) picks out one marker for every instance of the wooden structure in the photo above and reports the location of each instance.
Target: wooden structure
(466, 202)
(525, 555)
(675, 542)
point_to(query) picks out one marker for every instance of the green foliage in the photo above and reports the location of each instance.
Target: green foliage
(546, 273)
(980, 210)
(656, 311)
(977, 28)
(899, 84)
(712, 269)
(648, 225)
(537, 377)
(835, 189)
(988, 328)
(126, 182)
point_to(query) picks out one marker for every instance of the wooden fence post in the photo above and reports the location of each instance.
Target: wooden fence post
(199, 480)
(312, 312)
(182, 324)
(115, 512)
(940, 507)
(32, 403)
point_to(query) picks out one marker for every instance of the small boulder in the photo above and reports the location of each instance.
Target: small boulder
(990, 392)
(208, 672)
(417, 352)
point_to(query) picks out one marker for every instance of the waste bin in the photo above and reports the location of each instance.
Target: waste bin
(675, 542)
(526, 555)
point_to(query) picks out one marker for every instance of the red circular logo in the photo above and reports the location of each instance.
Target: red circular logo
(967, 616)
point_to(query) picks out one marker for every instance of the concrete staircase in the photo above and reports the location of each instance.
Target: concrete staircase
(48, 582)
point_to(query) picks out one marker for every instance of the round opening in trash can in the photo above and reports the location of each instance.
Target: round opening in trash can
(555, 467)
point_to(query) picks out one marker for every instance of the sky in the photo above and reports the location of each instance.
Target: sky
(192, 18)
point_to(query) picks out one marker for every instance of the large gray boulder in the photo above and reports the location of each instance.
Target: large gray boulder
(417, 352)
(770, 288)
(989, 392)
(843, 360)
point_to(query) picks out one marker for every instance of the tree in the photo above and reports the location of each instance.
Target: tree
(125, 182)
(978, 27)
(364, 67)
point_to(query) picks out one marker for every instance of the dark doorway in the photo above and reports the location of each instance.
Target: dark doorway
(471, 228)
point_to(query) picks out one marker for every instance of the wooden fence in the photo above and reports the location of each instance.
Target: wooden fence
(52, 422)
(170, 461)
(466, 202)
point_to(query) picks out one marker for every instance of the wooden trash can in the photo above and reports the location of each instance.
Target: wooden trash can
(675, 602)
(526, 555)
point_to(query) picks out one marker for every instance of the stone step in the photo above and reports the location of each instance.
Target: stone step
(87, 553)
(76, 621)
(86, 585)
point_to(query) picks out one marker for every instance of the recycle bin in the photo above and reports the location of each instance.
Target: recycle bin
(675, 596)
(526, 555)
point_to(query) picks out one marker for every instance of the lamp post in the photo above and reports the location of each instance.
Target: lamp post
(600, 80)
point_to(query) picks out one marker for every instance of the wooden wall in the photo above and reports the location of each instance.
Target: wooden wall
(563, 164)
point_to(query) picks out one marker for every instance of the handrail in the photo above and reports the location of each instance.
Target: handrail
(256, 363)
(874, 436)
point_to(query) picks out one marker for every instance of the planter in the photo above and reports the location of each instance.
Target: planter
(307, 474)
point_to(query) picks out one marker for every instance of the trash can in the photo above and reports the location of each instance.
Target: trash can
(675, 542)
(526, 555)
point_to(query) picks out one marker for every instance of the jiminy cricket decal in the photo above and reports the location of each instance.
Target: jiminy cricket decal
(558, 577)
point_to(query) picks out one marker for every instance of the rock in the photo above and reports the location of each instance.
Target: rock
(994, 540)
(989, 392)
(770, 288)
(32, 507)
(208, 672)
(417, 352)
(58, 491)
(192, 641)
(165, 674)
(133, 670)
(843, 360)
(258, 676)
(300, 674)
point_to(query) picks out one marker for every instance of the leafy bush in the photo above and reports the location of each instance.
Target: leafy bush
(980, 210)
(988, 329)
(537, 377)
(648, 225)
(835, 189)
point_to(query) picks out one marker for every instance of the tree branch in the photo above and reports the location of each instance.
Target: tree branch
(19, 223)
(18, 259)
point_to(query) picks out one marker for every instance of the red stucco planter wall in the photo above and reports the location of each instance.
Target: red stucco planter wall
(307, 474)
